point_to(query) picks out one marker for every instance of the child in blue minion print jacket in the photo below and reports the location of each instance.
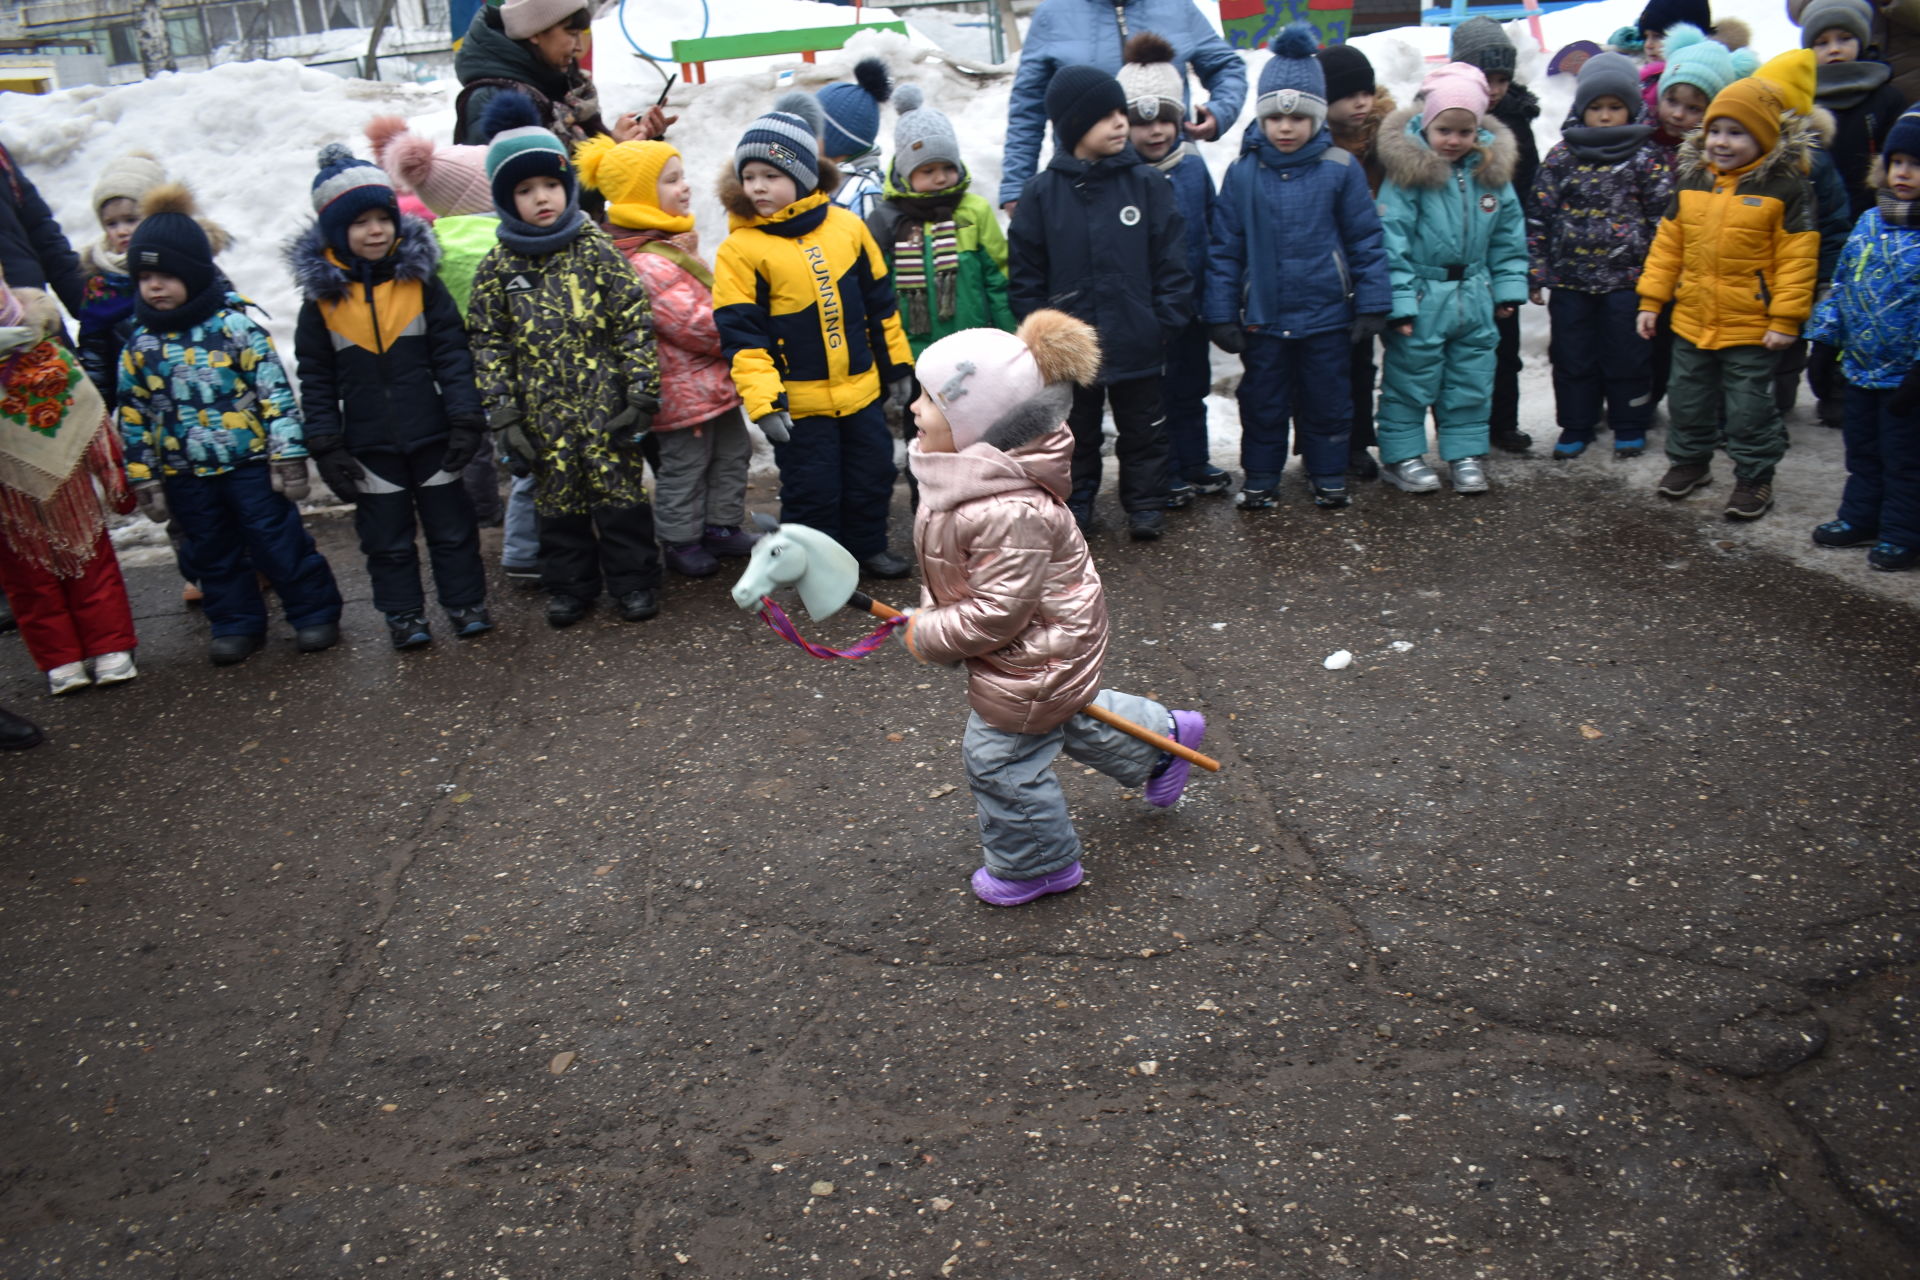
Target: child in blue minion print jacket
(1297, 275)
(212, 435)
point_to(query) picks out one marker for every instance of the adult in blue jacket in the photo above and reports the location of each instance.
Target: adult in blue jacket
(1068, 32)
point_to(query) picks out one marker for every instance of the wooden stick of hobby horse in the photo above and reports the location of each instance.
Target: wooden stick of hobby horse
(861, 600)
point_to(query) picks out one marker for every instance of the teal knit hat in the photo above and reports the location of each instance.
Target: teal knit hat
(1707, 65)
(521, 148)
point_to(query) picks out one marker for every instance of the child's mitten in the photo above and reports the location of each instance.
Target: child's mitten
(1821, 362)
(1905, 400)
(1366, 328)
(463, 443)
(628, 428)
(777, 426)
(900, 391)
(289, 478)
(1230, 338)
(342, 472)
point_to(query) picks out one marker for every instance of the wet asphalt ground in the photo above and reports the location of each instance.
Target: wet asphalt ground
(1572, 930)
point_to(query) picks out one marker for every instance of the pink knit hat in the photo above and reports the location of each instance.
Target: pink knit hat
(1458, 84)
(449, 180)
(1009, 388)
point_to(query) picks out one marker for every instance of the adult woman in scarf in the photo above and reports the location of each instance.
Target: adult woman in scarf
(532, 47)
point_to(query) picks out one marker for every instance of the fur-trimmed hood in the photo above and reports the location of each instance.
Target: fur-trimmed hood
(733, 196)
(320, 276)
(1410, 162)
(1799, 135)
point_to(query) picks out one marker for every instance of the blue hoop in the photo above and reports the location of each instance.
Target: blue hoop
(706, 20)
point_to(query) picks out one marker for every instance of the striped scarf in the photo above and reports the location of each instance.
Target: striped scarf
(910, 275)
(1896, 212)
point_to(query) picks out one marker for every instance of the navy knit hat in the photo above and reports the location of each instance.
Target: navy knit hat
(853, 110)
(345, 188)
(788, 138)
(1481, 43)
(1079, 97)
(171, 241)
(1661, 16)
(522, 148)
(1292, 83)
(1348, 71)
(1904, 137)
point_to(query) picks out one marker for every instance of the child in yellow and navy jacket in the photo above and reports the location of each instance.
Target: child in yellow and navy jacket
(810, 327)
(1737, 253)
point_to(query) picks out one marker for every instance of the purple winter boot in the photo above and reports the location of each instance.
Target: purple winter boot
(994, 891)
(1164, 787)
(690, 560)
(729, 541)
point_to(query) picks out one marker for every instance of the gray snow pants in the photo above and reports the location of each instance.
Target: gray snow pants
(1024, 829)
(702, 478)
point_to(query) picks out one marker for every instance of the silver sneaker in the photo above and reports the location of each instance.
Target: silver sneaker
(1470, 475)
(1413, 475)
(114, 668)
(67, 677)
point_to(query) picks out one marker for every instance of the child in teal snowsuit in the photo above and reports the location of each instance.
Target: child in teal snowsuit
(1457, 257)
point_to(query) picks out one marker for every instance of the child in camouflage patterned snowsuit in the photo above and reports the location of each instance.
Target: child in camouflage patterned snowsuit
(562, 337)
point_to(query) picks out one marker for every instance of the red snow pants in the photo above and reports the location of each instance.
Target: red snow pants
(66, 619)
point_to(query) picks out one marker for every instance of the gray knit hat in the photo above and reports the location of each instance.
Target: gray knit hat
(1855, 17)
(1607, 74)
(1481, 42)
(921, 135)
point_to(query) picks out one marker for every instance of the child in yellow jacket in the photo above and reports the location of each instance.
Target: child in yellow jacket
(811, 330)
(1737, 253)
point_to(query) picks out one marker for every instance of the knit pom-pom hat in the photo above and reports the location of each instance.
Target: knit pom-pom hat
(1293, 82)
(451, 181)
(171, 241)
(852, 111)
(788, 138)
(628, 174)
(1009, 389)
(346, 187)
(1707, 65)
(922, 136)
(522, 148)
(1154, 86)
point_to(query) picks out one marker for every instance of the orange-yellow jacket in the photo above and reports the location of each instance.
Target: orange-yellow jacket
(807, 316)
(1737, 253)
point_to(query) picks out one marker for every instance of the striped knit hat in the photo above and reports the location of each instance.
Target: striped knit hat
(788, 138)
(345, 188)
(522, 148)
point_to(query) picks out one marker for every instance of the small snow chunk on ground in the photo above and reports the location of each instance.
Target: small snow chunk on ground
(1218, 626)
(1401, 646)
(1339, 660)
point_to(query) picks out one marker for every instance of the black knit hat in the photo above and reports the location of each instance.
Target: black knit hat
(171, 241)
(1662, 15)
(1348, 71)
(1078, 98)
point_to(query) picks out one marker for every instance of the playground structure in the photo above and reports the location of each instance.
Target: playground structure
(694, 55)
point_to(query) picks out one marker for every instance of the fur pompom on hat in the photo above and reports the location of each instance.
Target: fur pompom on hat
(1155, 87)
(1009, 389)
(852, 111)
(451, 181)
(128, 178)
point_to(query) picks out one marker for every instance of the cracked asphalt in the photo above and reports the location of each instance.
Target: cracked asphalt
(1574, 934)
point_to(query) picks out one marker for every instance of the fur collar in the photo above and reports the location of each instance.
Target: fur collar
(1409, 162)
(321, 279)
(1792, 154)
(733, 197)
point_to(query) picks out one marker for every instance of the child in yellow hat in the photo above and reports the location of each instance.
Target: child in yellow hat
(1737, 253)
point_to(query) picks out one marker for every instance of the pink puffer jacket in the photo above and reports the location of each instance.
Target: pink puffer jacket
(1009, 585)
(696, 384)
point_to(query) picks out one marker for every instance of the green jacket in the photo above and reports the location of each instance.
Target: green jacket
(978, 290)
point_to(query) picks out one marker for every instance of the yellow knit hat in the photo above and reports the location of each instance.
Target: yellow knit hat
(1781, 85)
(628, 174)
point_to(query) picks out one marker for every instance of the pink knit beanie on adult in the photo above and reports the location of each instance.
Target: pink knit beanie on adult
(1458, 84)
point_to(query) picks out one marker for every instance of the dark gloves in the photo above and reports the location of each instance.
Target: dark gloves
(777, 426)
(1366, 328)
(152, 499)
(1822, 362)
(1905, 399)
(511, 439)
(339, 469)
(289, 478)
(463, 445)
(1230, 338)
(628, 428)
